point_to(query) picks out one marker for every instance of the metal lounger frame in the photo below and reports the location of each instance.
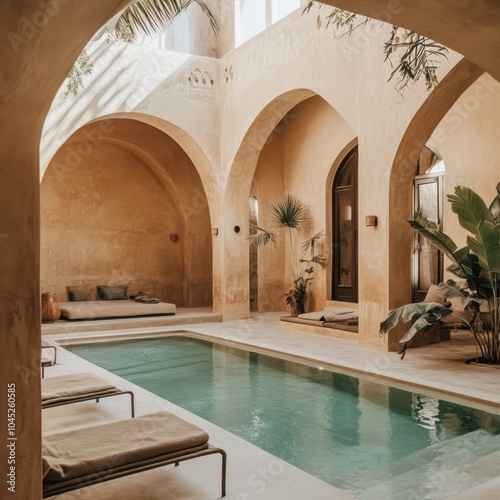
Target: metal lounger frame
(104, 476)
(89, 397)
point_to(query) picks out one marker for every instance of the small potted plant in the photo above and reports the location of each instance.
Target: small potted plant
(290, 214)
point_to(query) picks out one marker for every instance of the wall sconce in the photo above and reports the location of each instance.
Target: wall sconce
(174, 237)
(215, 231)
(370, 220)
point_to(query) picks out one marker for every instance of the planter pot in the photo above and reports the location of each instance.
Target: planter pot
(50, 307)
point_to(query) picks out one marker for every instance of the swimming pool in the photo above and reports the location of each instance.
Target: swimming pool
(373, 440)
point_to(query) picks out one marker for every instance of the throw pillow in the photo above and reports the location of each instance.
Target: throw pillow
(76, 295)
(118, 292)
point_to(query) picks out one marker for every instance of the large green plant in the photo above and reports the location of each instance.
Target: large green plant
(477, 264)
(290, 214)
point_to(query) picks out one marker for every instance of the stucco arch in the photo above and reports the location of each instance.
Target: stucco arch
(186, 142)
(432, 111)
(267, 126)
(165, 197)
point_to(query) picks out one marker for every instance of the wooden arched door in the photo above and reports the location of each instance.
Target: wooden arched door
(345, 230)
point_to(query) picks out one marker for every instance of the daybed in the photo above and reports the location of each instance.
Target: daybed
(66, 389)
(105, 309)
(345, 320)
(79, 458)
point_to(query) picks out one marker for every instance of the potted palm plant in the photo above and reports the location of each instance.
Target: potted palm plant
(290, 214)
(477, 264)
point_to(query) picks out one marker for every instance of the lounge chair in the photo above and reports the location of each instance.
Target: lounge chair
(82, 457)
(46, 361)
(77, 387)
(46, 345)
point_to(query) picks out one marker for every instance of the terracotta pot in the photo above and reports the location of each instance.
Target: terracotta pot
(50, 307)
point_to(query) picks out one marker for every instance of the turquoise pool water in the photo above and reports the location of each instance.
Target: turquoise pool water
(373, 440)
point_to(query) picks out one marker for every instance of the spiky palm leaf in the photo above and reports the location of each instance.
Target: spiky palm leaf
(151, 16)
(310, 243)
(259, 236)
(289, 212)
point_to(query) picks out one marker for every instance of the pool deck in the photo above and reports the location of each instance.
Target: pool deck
(438, 370)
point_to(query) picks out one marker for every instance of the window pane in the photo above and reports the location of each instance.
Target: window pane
(427, 204)
(254, 18)
(282, 8)
(345, 239)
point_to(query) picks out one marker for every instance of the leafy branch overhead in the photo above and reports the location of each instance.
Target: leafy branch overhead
(81, 68)
(143, 17)
(148, 17)
(411, 55)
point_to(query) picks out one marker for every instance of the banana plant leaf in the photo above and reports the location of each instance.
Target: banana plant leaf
(409, 311)
(451, 290)
(441, 241)
(429, 314)
(495, 206)
(486, 245)
(470, 209)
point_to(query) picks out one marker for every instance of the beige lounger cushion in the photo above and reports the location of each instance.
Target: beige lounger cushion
(331, 318)
(93, 309)
(320, 315)
(76, 385)
(71, 457)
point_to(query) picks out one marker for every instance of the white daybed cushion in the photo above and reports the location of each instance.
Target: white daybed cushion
(92, 309)
(336, 312)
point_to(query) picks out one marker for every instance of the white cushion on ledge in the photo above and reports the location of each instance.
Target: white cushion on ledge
(337, 312)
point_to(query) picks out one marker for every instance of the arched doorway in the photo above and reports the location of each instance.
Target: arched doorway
(428, 193)
(345, 230)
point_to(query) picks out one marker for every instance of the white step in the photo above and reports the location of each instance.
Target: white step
(424, 474)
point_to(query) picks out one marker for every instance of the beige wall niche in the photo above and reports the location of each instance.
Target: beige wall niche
(125, 206)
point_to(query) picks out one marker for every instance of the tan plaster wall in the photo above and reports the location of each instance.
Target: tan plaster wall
(298, 158)
(473, 122)
(30, 74)
(108, 211)
(268, 85)
(268, 186)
